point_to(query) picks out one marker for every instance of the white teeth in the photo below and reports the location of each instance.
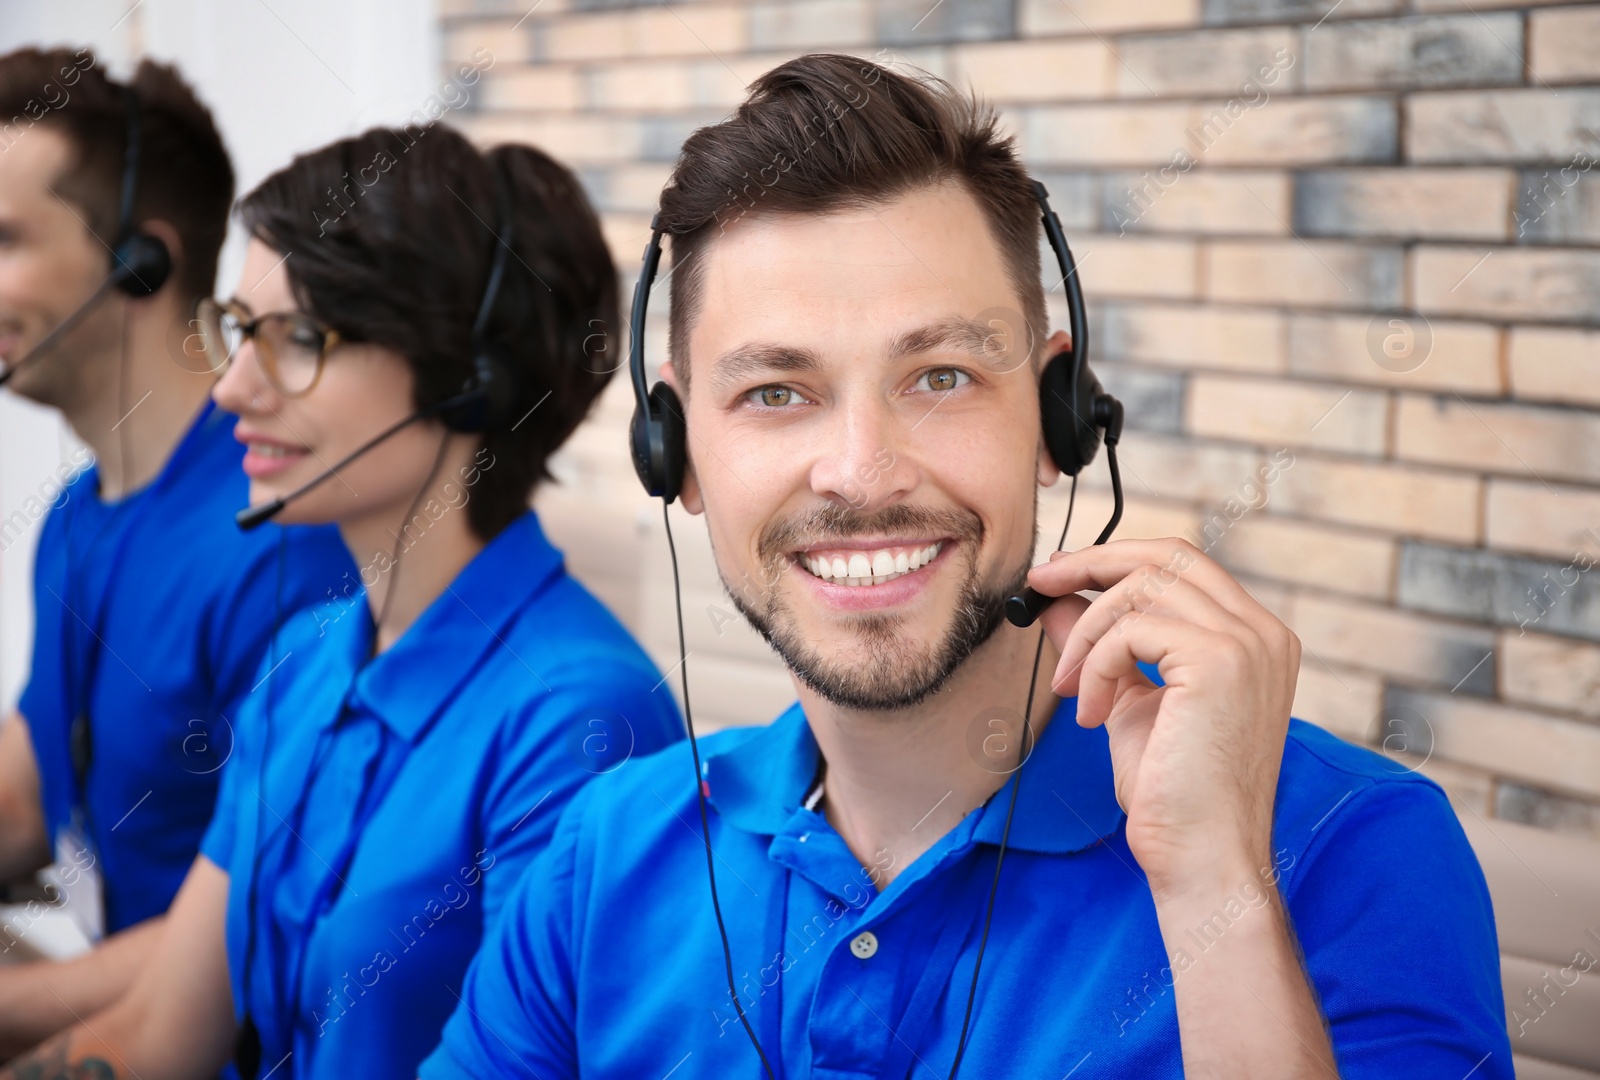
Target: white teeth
(864, 569)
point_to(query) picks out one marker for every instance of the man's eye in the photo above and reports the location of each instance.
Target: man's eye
(943, 379)
(774, 397)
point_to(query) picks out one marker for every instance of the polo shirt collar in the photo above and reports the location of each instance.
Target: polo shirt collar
(1067, 803)
(407, 686)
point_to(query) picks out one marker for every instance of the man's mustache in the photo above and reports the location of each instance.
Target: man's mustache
(833, 522)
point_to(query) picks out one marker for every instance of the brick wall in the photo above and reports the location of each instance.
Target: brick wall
(1364, 232)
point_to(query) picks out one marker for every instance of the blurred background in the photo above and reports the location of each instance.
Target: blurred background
(1358, 236)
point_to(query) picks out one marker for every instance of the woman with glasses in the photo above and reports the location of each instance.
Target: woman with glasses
(404, 370)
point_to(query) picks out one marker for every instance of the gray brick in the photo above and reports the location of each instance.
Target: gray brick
(918, 22)
(1547, 810)
(1442, 50)
(1559, 205)
(1503, 590)
(1075, 197)
(661, 137)
(1250, 11)
(1498, 126)
(1152, 400)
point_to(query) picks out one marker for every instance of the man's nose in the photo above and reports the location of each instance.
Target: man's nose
(865, 463)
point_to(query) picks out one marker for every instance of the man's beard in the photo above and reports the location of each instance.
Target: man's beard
(887, 673)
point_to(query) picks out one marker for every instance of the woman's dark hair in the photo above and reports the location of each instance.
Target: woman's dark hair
(390, 237)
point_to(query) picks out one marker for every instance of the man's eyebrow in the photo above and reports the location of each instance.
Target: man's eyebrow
(758, 357)
(951, 332)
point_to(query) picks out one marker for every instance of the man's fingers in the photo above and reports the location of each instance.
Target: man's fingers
(1060, 617)
(1143, 594)
(1103, 566)
(1149, 638)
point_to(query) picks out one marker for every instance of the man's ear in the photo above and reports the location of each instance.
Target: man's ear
(689, 492)
(1057, 342)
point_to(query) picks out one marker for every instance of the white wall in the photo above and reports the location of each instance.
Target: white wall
(281, 76)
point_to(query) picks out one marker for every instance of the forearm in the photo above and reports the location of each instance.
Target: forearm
(1246, 1008)
(39, 999)
(78, 1054)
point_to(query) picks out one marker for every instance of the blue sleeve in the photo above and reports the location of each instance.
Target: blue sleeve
(516, 1013)
(1397, 928)
(218, 841)
(43, 672)
(588, 724)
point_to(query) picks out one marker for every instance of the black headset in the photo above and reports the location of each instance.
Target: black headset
(140, 262)
(489, 398)
(1073, 410)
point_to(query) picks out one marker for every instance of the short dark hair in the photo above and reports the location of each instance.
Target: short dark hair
(185, 177)
(390, 237)
(826, 132)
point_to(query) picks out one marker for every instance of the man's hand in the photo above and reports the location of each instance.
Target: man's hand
(1196, 760)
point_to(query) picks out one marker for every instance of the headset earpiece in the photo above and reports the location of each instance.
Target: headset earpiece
(141, 264)
(659, 436)
(1068, 392)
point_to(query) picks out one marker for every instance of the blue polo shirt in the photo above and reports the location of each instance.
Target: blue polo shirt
(607, 963)
(152, 614)
(401, 797)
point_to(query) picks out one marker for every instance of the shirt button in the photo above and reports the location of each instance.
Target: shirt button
(864, 945)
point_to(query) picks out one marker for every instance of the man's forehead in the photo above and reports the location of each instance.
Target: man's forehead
(32, 163)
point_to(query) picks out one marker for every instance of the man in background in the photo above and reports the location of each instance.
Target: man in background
(153, 611)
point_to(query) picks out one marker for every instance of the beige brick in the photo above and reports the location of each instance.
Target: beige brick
(636, 189)
(496, 38)
(1027, 71)
(805, 25)
(1138, 266)
(1048, 17)
(676, 30)
(1393, 498)
(1550, 364)
(1408, 646)
(1185, 336)
(1208, 62)
(545, 88)
(1453, 50)
(1176, 468)
(1302, 273)
(1543, 520)
(1191, 200)
(1520, 743)
(1564, 46)
(1341, 700)
(1136, 135)
(1507, 283)
(1502, 125)
(1442, 204)
(1547, 444)
(640, 86)
(1296, 132)
(572, 139)
(1306, 553)
(1459, 355)
(1288, 414)
(1554, 672)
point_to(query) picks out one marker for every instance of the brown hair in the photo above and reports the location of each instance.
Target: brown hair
(393, 235)
(827, 132)
(185, 177)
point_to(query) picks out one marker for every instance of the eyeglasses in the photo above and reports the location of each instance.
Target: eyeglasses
(290, 345)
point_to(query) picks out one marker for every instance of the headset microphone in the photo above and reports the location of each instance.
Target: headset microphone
(253, 516)
(140, 262)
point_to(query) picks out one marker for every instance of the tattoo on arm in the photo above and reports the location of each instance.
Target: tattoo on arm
(50, 1062)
